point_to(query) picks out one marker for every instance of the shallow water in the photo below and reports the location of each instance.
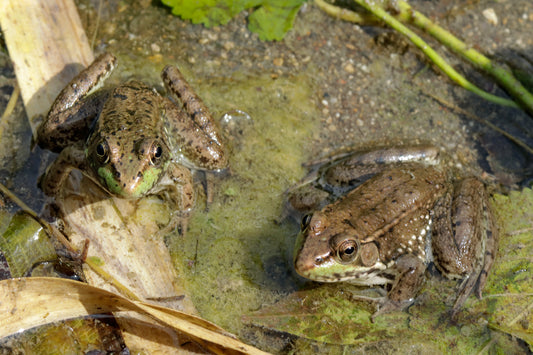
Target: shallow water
(329, 84)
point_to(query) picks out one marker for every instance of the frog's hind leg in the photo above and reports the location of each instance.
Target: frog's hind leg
(491, 237)
(197, 131)
(464, 233)
(176, 84)
(61, 131)
(74, 109)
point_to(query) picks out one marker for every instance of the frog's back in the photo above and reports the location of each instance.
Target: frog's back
(133, 110)
(381, 203)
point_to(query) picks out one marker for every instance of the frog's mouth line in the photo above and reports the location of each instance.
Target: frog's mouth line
(377, 274)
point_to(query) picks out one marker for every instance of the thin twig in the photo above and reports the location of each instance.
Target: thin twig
(47, 226)
(482, 121)
(10, 107)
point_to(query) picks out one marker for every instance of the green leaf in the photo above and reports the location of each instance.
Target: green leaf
(25, 244)
(271, 19)
(209, 12)
(329, 314)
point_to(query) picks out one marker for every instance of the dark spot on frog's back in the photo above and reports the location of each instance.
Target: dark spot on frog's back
(120, 96)
(147, 100)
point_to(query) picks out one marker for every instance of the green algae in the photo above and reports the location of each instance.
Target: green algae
(236, 255)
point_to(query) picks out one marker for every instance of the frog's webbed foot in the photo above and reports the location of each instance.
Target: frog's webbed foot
(410, 279)
(178, 221)
(388, 306)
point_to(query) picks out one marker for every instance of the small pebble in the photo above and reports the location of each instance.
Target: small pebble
(490, 15)
(229, 45)
(155, 48)
(349, 68)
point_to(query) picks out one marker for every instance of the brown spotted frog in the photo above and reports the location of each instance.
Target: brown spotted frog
(130, 139)
(404, 213)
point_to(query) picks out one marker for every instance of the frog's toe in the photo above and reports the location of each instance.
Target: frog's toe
(467, 287)
(388, 306)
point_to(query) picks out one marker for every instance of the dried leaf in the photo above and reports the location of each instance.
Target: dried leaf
(29, 302)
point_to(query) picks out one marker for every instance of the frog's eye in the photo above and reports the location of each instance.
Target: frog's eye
(156, 152)
(102, 152)
(305, 221)
(345, 248)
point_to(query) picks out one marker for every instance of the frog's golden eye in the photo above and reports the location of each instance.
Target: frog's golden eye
(102, 152)
(156, 153)
(305, 221)
(345, 248)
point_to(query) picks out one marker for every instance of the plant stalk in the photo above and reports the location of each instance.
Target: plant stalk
(387, 18)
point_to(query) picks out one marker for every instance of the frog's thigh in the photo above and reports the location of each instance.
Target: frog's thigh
(457, 241)
(197, 147)
(357, 167)
(70, 158)
(64, 128)
(84, 83)
(176, 84)
(181, 187)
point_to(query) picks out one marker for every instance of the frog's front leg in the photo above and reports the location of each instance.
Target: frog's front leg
(406, 285)
(465, 237)
(74, 110)
(197, 133)
(177, 186)
(70, 158)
